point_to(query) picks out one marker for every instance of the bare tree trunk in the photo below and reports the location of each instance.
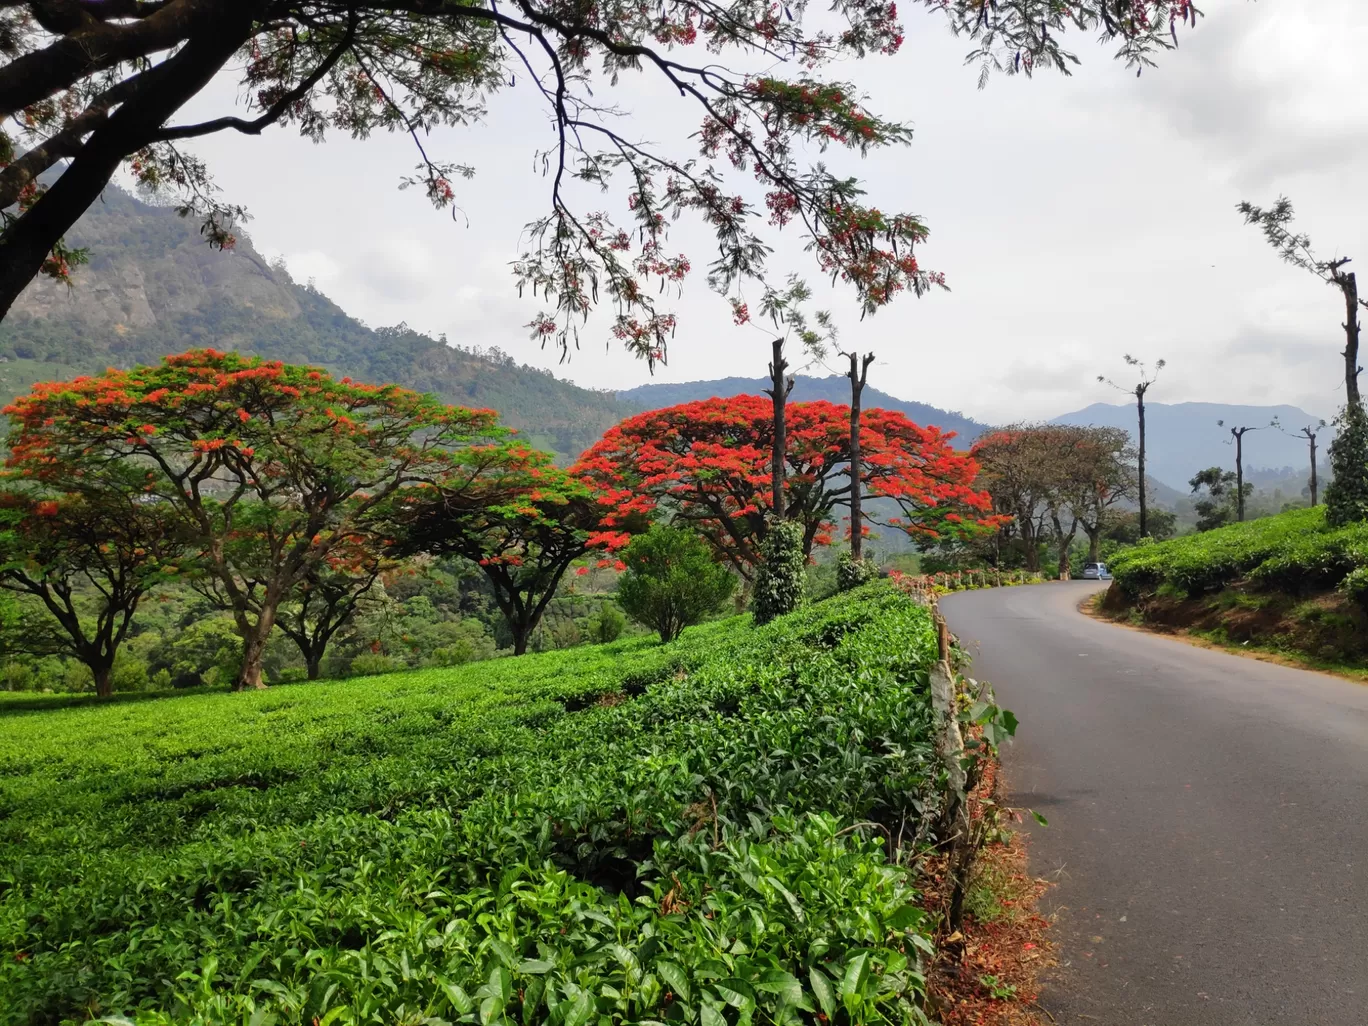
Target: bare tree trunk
(1239, 475)
(778, 391)
(857, 384)
(1313, 470)
(314, 663)
(254, 639)
(104, 678)
(1144, 508)
(1094, 542)
(1348, 284)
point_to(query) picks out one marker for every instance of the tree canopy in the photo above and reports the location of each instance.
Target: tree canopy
(708, 464)
(99, 85)
(272, 469)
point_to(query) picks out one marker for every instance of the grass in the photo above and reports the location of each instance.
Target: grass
(600, 835)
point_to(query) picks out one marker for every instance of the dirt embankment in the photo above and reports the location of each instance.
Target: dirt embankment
(1324, 630)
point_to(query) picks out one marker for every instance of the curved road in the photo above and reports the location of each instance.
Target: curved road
(1208, 818)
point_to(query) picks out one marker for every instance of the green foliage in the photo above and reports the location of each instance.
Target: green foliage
(1220, 504)
(672, 581)
(851, 573)
(606, 626)
(463, 844)
(781, 575)
(1355, 585)
(1346, 496)
(1296, 551)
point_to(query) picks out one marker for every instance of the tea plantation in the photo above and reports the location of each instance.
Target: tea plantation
(628, 833)
(1293, 552)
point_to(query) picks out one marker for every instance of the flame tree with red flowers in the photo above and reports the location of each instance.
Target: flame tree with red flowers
(707, 464)
(271, 468)
(89, 559)
(522, 520)
(92, 86)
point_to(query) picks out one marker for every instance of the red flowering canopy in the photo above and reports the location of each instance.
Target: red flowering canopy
(708, 463)
(271, 467)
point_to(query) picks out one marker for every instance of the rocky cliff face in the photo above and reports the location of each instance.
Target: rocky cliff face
(148, 266)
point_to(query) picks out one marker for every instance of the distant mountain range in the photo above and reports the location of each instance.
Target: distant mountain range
(1184, 438)
(153, 287)
(835, 389)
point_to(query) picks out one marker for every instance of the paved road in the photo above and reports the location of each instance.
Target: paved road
(1208, 818)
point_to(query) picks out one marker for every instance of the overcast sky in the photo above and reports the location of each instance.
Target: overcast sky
(1077, 219)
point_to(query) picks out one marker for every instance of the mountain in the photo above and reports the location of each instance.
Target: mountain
(835, 388)
(154, 287)
(1183, 438)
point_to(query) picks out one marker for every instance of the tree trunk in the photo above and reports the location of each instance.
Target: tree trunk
(779, 392)
(1239, 475)
(857, 384)
(1094, 542)
(1144, 510)
(1348, 284)
(253, 649)
(103, 673)
(1313, 470)
(314, 663)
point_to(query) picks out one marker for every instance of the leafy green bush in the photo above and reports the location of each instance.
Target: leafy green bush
(607, 624)
(1292, 552)
(672, 581)
(851, 573)
(1346, 496)
(491, 843)
(782, 573)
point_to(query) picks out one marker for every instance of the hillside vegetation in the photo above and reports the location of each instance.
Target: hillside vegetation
(1285, 582)
(154, 287)
(617, 834)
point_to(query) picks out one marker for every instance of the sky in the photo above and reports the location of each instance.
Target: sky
(1077, 219)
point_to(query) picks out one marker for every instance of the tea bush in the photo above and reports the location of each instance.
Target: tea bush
(603, 835)
(1294, 552)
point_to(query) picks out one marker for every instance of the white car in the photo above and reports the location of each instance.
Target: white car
(1096, 572)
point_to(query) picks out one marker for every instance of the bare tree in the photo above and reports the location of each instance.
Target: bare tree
(1238, 433)
(858, 375)
(1138, 390)
(1296, 249)
(1309, 433)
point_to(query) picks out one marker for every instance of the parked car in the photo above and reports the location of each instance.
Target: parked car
(1096, 572)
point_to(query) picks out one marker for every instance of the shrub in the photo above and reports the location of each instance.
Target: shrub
(1346, 496)
(780, 577)
(370, 663)
(672, 581)
(851, 573)
(607, 624)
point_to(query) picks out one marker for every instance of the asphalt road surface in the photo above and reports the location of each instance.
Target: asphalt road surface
(1208, 818)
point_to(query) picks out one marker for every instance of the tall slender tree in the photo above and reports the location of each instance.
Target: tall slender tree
(858, 375)
(1139, 390)
(1295, 248)
(1310, 433)
(1237, 434)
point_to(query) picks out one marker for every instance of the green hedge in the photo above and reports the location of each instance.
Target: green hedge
(607, 835)
(1294, 552)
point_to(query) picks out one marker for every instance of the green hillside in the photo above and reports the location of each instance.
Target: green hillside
(153, 287)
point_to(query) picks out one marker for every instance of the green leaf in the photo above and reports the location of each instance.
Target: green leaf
(826, 996)
(785, 984)
(1039, 818)
(856, 976)
(736, 993)
(710, 1016)
(460, 1000)
(535, 966)
(675, 977)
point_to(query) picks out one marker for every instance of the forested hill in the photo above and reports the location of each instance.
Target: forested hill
(834, 389)
(154, 287)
